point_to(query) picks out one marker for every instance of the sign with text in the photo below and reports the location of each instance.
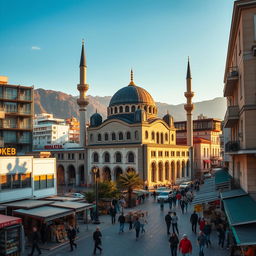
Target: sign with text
(8, 151)
(53, 146)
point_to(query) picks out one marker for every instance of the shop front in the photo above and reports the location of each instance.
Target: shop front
(10, 235)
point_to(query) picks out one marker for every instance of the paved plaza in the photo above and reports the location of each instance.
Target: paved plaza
(154, 242)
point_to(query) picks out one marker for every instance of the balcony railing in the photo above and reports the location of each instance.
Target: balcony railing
(232, 146)
(231, 81)
(231, 117)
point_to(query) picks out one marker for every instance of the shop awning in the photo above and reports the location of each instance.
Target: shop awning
(222, 180)
(206, 198)
(207, 161)
(245, 234)
(232, 193)
(240, 210)
(28, 204)
(63, 198)
(6, 221)
(44, 213)
(78, 207)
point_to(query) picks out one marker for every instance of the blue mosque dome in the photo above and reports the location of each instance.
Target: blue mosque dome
(95, 120)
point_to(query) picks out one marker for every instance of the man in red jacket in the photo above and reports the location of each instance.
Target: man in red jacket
(185, 246)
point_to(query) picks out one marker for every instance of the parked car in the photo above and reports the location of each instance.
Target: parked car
(185, 184)
(163, 195)
(161, 189)
(78, 195)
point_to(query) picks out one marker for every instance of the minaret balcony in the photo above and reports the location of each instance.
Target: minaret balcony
(82, 102)
(189, 94)
(231, 81)
(189, 107)
(231, 117)
(82, 87)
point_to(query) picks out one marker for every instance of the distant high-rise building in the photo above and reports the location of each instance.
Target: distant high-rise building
(74, 129)
(16, 116)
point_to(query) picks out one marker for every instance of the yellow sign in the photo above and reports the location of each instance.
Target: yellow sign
(7, 151)
(198, 208)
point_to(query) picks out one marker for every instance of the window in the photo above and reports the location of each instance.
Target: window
(118, 157)
(99, 137)
(50, 181)
(131, 157)
(120, 109)
(115, 110)
(133, 109)
(172, 137)
(111, 111)
(166, 137)
(153, 153)
(113, 136)
(172, 153)
(136, 135)
(128, 135)
(166, 153)
(183, 153)
(160, 153)
(106, 157)
(106, 136)
(162, 138)
(91, 137)
(178, 153)
(43, 181)
(127, 109)
(120, 136)
(153, 136)
(146, 135)
(95, 157)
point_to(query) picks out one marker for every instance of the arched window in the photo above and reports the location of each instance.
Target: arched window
(113, 136)
(166, 137)
(157, 138)
(111, 111)
(115, 110)
(153, 172)
(183, 166)
(91, 137)
(128, 135)
(133, 108)
(120, 136)
(172, 137)
(106, 157)
(153, 136)
(146, 135)
(106, 136)
(166, 169)
(99, 137)
(118, 157)
(146, 108)
(136, 135)
(95, 157)
(150, 110)
(160, 171)
(120, 109)
(162, 138)
(131, 157)
(127, 109)
(178, 170)
(204, 152)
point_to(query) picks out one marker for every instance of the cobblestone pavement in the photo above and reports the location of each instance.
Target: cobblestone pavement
(154, 242)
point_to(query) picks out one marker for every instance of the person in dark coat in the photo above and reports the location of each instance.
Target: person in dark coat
(193, 221)
(168, 221)
(207, 231)
(121, 220)
(112, 212)
(137, 227)
(174, 241)
(71, 237)
(221, 235)
(35, 240)
(97, 240)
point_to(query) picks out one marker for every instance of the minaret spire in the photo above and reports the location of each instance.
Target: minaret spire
(82, 59)
(131, 82)
(188, 71)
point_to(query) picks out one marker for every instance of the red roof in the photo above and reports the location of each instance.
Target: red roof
(196, 140)
(6, 221)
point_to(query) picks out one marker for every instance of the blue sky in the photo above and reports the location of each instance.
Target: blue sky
(40, 44)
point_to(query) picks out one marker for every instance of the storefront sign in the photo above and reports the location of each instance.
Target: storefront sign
(198, 208)
(10, 223)
(8, 152)
(53, 146)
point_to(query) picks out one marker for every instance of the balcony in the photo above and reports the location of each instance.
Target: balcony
(231, 81)
(232, 146)
(231, 117)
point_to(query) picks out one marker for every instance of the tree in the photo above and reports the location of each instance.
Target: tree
(129, 181)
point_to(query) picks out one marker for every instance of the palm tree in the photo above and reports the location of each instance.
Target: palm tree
(129, 181)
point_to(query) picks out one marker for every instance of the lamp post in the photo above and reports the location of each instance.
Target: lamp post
(96, 218)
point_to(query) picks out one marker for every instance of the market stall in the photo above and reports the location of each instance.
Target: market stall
(10, 235)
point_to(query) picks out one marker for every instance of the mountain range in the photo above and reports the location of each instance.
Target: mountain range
(63, 105)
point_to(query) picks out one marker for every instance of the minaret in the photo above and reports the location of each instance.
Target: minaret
(189, 107)
(82, 101)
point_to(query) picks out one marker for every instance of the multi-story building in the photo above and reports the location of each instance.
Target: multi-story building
(240, 90)
(74, 130)
(16, 116)
(207, 144)
(49, 131)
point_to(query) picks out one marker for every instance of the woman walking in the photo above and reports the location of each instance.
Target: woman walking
(143, 221)
(174, 241)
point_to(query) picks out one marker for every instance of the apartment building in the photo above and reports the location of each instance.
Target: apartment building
(240, 91)
(74, 130)
(49, 131)
(16, 116)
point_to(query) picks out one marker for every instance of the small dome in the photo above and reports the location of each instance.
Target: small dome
(140, 115)
(95, 120)
(168, 119)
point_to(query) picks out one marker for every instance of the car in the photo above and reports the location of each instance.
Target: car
(185, 184)
(161, 189)
(78, 195)
(164, 195)
(207, 175)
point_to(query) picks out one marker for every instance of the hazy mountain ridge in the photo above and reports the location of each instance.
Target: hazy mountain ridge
(63, 105)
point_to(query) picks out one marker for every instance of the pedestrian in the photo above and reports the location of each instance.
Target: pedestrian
(175, 223)
(185, 200)
(221, 235)
(121, 220)
(97, 240)
(154, 195)
(182, 205)
(130, 220)
(71, 237)
(168, 221)
(137, 227)
(112, 212)
(143, 222)
(170, 201)
(35, 240)
(162, 204)
(178, 197)
(193, 221)
(201, 242)
(174, 242)
(185, 246)
(201, 222)
(174, 199)
(207, 231)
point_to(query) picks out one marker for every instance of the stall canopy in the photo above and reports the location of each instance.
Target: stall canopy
(222, 180)
(44, 213)
(6, 221)
(245, 234)
(78, 207)
(63, 198)
(240, 210)
(232, 193)
(27, 204)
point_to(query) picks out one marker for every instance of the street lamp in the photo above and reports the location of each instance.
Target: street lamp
(96, 217)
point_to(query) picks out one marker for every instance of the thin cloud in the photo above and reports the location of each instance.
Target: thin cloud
(36, 48)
